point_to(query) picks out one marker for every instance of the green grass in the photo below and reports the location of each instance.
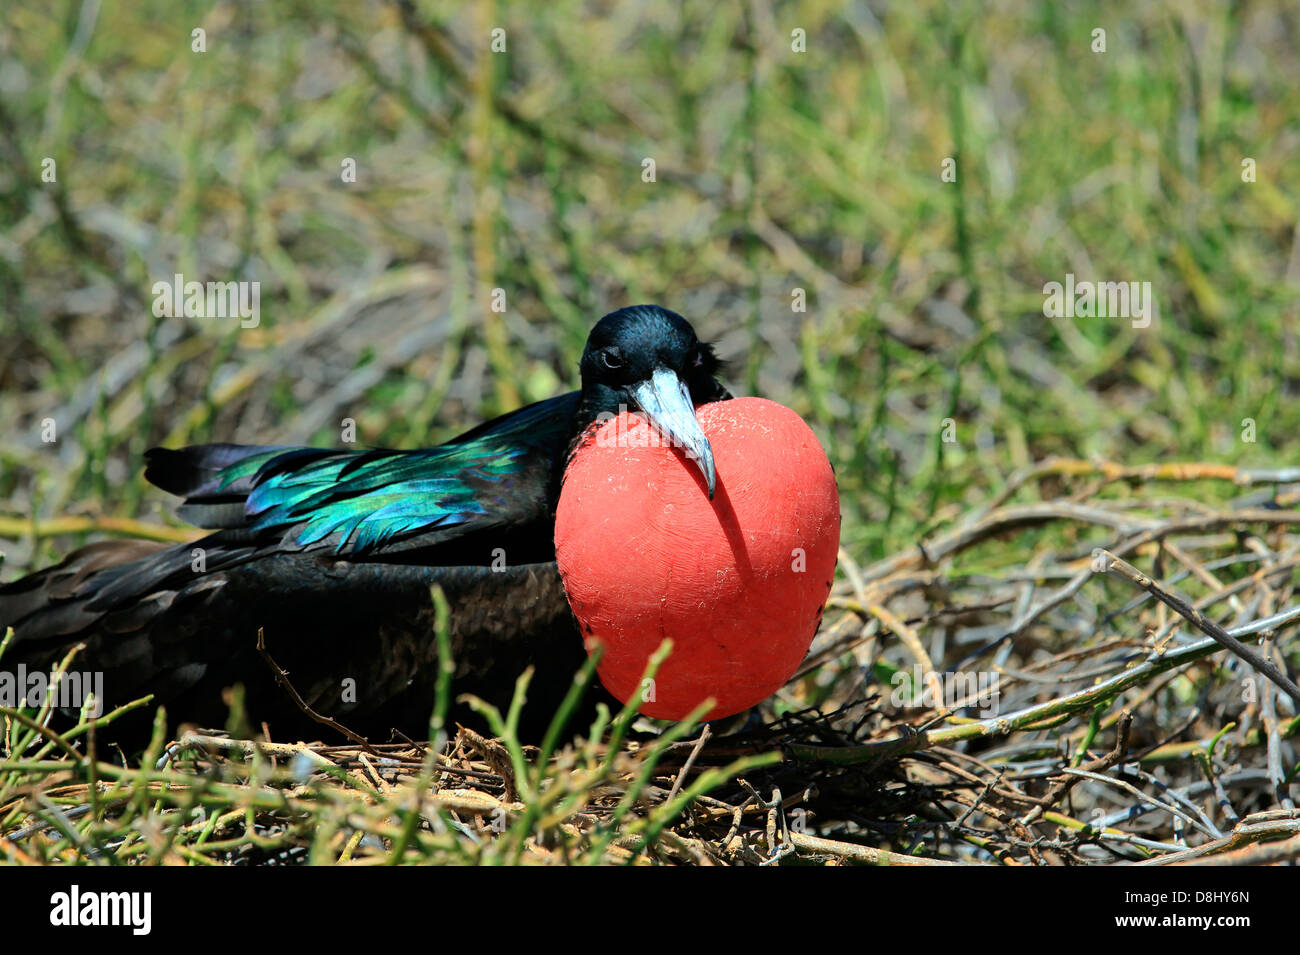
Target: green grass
(924, 297)
(522, 171)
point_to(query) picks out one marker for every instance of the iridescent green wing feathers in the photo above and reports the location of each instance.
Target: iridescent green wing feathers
(360, 502)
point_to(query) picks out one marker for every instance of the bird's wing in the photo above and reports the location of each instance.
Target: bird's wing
(361, 503)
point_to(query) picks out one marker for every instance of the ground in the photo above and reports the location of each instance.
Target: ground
(865, 208)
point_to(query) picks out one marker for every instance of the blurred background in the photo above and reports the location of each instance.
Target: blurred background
(796, 146)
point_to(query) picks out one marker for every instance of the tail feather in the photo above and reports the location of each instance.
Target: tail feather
(196, 471)
(136, 606)
(55, 602)
(111, 586)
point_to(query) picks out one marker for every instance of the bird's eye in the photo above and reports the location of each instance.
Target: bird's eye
(611, 360)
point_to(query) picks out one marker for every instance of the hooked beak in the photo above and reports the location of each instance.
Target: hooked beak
(667, 401)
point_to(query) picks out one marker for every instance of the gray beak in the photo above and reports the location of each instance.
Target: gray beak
(667, 401)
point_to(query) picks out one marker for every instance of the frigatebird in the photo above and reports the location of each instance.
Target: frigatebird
(332, 555)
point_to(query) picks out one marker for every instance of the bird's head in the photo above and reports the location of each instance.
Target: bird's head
(648, 359)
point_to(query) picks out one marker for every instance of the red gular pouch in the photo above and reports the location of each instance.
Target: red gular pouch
(738, 582)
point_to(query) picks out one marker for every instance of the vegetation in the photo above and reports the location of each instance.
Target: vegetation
(984, 448)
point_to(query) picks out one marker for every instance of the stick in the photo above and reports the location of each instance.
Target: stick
(282, 678)
(1105, 561)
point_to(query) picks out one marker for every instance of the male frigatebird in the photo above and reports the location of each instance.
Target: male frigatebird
(333, 553)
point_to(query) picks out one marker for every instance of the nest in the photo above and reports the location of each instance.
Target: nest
(1086, 670)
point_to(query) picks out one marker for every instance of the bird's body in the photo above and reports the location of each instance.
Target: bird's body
(332, 555)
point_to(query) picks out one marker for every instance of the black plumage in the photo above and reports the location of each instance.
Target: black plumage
(332, 554)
